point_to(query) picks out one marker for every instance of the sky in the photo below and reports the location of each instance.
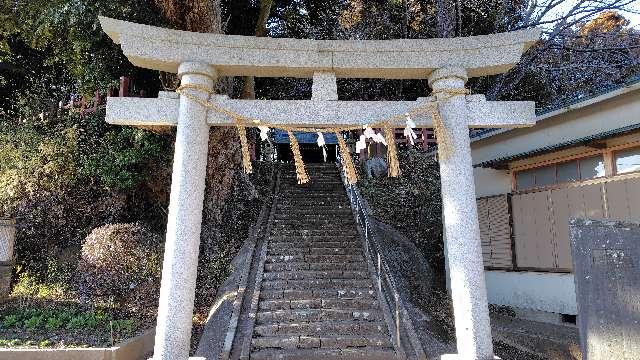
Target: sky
(633, 16)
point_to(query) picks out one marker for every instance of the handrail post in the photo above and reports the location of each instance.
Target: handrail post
(379, 272)
(397, 300)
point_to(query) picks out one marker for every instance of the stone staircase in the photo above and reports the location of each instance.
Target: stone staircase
(316, 298)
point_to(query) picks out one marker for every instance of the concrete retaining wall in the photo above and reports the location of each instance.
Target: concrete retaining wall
(132, 349)
(551, 292)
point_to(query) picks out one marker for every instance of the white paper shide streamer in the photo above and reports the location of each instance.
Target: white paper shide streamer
(361, 144)
(408, 131)
(264, 133)
(369, 133)
(322, 143)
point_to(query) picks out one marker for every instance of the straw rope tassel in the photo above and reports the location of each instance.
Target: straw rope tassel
(301, 172)
(392, 152)
(246, 160)
(442, 135)
(347, 163)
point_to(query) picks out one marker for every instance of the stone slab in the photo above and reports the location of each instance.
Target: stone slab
(232, 55)
(7, 239)
(606, 258)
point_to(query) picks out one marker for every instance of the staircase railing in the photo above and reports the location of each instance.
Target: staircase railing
(404, 335)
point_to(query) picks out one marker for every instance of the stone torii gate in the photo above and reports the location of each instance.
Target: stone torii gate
(199, 59)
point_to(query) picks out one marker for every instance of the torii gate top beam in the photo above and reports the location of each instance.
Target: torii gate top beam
(165, 49)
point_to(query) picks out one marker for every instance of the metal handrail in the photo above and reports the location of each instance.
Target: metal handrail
(384, 278)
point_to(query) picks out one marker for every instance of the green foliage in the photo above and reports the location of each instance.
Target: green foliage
(124, 326)
(11, 321)
(55, 154)
(53, 323)
(44, 344)
(28, 286)
(411, 203)
(83, 321)
(121, 261)
(53, 48)
(70, 318)
(33, 322)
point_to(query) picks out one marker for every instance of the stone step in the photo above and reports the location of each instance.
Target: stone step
(343, 242)
(317, 228)
(310, 284)
(318, 182)
(291, 173)
(317, 178)
(332, 194)
(296, 190)
(316, 274)
(310, 212)
(291, 250)
(314, 258)
(343, 210)
(342, 304)
(324, 242)
(291, 231)
(326, 230)
(313, 315)
(319, 205)
(315, 235)
(317, 199)
(285, 234)
(343, 293)
(303, 204)
(323, 328)
(335, 192)
(319, 215)
(296, 266)
(326, 341)
(325, 354)
(336, 187)
(316, 220)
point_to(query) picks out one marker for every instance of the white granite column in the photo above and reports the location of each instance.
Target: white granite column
(464, 251)
(180, 266)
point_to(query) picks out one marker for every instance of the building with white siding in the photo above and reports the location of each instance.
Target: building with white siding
(579, 161)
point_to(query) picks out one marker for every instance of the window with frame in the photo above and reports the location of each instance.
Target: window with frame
(565, 172)
(627, 161)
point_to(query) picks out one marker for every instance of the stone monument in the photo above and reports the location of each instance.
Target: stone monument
(606, 258)
(7, 240)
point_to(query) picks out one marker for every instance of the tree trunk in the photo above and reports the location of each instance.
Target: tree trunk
(405, 19)
(248, 89)
(446, 18)
(224, 166)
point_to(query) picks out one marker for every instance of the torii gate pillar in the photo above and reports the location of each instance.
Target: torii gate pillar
(464, 250)
(180, 264)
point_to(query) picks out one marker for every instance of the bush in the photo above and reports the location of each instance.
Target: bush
(63, 175)
(119, 261)
(411, 203)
